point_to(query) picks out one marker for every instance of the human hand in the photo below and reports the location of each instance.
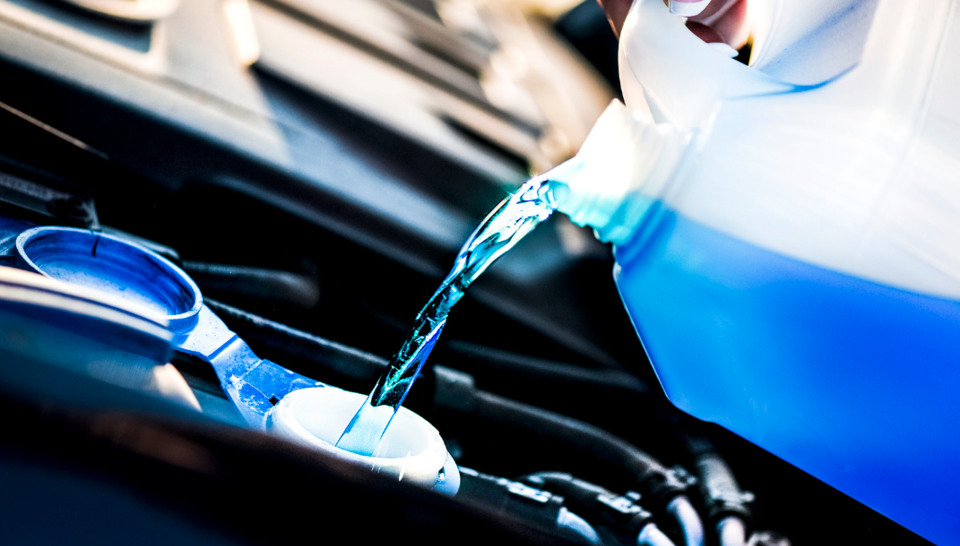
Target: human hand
(714, 21)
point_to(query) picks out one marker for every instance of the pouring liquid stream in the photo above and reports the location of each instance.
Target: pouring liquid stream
(503, 228)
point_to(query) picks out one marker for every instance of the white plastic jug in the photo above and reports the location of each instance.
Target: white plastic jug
(788, 236)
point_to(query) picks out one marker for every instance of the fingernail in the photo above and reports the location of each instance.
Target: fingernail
(724, 49)
(688, 8)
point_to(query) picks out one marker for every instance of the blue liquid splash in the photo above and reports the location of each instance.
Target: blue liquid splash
(503, 228)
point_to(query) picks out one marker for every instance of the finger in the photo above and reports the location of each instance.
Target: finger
(616, 11)
(726, 21)
(704, 32)
(716, 21)
(688, 8)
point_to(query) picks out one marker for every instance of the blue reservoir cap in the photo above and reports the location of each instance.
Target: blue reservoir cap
(114, 267)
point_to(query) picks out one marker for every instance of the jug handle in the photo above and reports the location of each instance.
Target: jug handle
(671, 72)
(677, 78)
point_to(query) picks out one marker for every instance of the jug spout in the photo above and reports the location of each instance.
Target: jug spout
(623, 167)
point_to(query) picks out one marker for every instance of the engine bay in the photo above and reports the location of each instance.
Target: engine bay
(314, 166)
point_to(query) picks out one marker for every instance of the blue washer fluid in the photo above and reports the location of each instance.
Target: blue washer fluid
(852, 381)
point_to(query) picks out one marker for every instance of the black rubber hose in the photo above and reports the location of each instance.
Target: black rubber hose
(602, 508)
(657, 481)
(303, 352)
(722, 496)
(518, 372)
(455, 391)
(295, 289)
(588, 394)
(516, 499)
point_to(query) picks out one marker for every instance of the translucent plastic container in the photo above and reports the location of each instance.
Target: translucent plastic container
(788, 237)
